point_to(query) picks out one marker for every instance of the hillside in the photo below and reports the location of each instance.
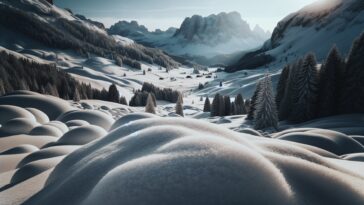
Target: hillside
(316, 27)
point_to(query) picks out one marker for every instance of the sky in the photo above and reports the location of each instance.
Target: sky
(162, 14)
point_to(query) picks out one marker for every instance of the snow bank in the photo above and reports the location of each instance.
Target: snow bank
(179, 161)
(129, 118)
(82, 135)
(22, 149)
(40, 116)
(18, 126)
(51, 106)
(93, 117)
(76, 123)
(48, 130)
(9, 112)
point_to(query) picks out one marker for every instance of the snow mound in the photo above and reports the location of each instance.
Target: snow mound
(16, 140)
(48, 130)
(47, 153)
(76, 123)
(18, 126)
(9, 112)
(355, 157)
(129, 118)
(93, 117)
(40, 116)
(51, 106)
(22, 149)
(82, 135)
(60, 125)
(331, 141)
(180, 161)
(34, 168)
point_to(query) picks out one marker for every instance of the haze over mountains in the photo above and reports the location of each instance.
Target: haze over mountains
(224, 33)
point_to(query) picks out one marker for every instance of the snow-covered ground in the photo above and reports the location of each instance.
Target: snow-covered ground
(61, 152)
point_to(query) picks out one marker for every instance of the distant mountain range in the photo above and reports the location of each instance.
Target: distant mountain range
(315, 28)
(198, 36)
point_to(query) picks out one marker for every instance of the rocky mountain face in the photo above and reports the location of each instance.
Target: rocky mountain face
(198, 36)
(314, 28)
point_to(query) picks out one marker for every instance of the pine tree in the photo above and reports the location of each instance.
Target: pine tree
(266, 114)
(352, 99)
(306, 95)
(179, 106)
(2, 88)
(286, 104)
(207, 106)
(123, 100)
(282, 84)
(76, 95)
(113, 94)
(150, 108)
(239, 105)
(253, 102)
(227, 108)
(221, 106)
(247, 105)
(330, 84)
(215, 108)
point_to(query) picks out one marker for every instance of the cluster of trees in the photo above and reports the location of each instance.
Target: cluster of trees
(67, 34)
(222, 106)
(306, 91)
(140, 96)
(18, 73)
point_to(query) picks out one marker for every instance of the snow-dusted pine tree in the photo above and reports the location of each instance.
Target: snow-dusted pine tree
(353, 92)
(330, 84)
(253, 102)
(239, 105)
(281, 87)
(306, 94)
(76, 95)
(113, 94)
(150, 108)
(266, 114)
(207, 106)
(179, 106)
(215, 108)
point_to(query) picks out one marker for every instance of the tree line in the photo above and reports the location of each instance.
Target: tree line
(17, 73)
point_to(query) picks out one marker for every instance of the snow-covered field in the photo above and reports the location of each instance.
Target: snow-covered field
(61, 152)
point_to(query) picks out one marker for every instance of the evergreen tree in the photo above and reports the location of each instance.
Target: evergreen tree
(353, 92)
(150, 107)
(247, 106)
(215, 108)
(123, 100)
(286, 104)
(221, 106)
(227, 108)
(330, 84)
(266, 114)
(306, 95)
(2, 89)
(239, 105)
(76, 95)
(207, 106)
(179, 106)
(282, 84)
(113, 94)
(253, 102)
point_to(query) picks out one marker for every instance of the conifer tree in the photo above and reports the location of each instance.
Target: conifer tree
(179, 106)
(306, 95)
(113, 94)
(330, 84)
(2, 88)
(239, 105)
(150, 108)
(221, 106)
(215, 108)
(266, 114)
(207, 106)
(253, 102)
(227, 108)
(353, 92)
(282, 84)
(76, 95)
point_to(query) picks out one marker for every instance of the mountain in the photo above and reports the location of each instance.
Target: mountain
(220, 34)
(315, 28)
(37, 24)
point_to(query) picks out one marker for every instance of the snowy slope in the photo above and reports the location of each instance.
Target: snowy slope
(315, 28)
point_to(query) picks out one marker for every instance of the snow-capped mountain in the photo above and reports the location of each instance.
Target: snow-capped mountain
(314, 28)
(224, 33)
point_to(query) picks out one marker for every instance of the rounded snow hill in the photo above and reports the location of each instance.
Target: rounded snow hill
(47, 153)
(40, 116)
(18, 126)
(9, 112)
(17, 140)
(22, 149)
(185, 161)
(93, 117)
(51, 106)
(60, 125)
(48, 130)
(76, 123)
(131, 117)
(81, 135)
(331, 141)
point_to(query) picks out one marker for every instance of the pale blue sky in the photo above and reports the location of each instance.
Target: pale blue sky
(166, 13)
